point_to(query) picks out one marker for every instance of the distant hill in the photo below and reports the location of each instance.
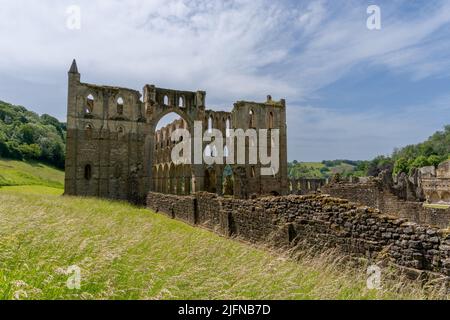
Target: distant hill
(26, 135)
(431, 152)
(325, 169)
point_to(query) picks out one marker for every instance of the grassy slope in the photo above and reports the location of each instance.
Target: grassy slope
(129, 253)
(20, 173)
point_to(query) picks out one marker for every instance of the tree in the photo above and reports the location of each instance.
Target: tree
(401, 165)
(379, 164)
(26, 135)
(435, 160)
(30, 151)
(419, 162)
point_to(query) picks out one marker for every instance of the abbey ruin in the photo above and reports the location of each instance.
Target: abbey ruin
(114, 150)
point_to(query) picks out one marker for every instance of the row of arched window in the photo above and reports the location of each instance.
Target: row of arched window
(212, 152)
(89, 108)
(210, 125)
(252, 120)
(181, 101)
(89, 129)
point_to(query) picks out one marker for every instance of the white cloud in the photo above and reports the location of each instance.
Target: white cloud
(234, 49)
(317, 133)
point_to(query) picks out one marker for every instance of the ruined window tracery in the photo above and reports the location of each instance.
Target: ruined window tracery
(88, 130)
(270, 122)
(181, 102)
(210, 124)
(120, 106)
(251, 119)
(89, 108)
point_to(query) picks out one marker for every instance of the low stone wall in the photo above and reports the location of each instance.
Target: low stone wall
(319, 220)
(207, 210)
(175, 206)
(367, 194)
(372, 194)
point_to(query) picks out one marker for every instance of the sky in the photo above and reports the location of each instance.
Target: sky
(352, 92)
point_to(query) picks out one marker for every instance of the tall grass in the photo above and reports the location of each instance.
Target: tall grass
(129, 253)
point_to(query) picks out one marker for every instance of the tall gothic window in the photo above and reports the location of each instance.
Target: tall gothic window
(88, 172)
(89, 108)
(251, 116)
(120, 106)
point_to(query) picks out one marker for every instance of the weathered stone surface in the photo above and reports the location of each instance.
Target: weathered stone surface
(318, 220)
(435, 184)
(380, 194)
(113, 149)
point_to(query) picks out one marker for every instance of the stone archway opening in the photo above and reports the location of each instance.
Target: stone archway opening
(445, 197)
(228, 181)
(210, 180)
(168, 176)
(434, 198)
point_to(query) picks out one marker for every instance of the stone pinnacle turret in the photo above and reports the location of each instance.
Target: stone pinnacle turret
(73, 67)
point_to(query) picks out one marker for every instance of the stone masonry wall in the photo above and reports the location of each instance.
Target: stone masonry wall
(207, 210)
(373, 195)
(182, 208)
(320, 220)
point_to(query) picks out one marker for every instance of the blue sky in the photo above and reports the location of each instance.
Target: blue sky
(352, 92)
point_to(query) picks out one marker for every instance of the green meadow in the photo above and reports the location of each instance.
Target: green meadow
(125, 252)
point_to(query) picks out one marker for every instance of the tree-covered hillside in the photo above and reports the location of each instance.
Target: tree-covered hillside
(25, 135)
(429, 153)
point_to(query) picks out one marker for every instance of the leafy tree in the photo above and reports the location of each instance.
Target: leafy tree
(401, 165)
(26, 135)
(30, 151)
(430, 152)
(379, 164)
(419, 162)
(435, 160)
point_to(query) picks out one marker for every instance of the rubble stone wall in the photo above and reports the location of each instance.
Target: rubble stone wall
(319, 220)
(374, 195)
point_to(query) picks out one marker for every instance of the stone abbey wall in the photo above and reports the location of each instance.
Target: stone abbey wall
(113, 149)
(436, 183)
(304, 186)
(373, 193)
(318, 220)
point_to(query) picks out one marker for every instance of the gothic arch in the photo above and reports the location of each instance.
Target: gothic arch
(187, 117)
(434, 197)
(445, 196)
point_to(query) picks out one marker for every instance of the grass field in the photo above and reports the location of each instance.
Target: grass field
(125, 252)
(20, 173)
